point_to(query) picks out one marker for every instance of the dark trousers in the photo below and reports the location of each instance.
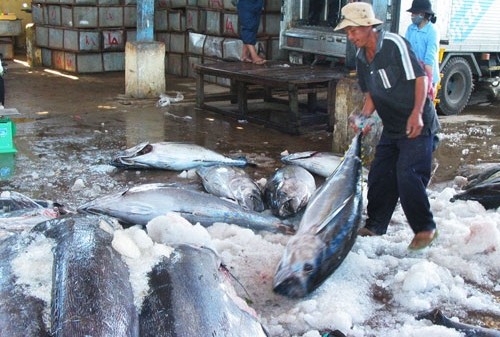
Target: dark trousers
(400, 170)
(249, 13)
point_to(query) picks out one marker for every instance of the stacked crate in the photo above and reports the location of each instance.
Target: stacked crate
(83, 36)
(86, 36)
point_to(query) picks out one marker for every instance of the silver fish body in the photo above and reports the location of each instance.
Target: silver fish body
(320, 163)
(288, 190)
(173, 156)
(232, 183)
(140, 204)
(436, 316)
(21, 315)
(91, 291)
(483, 187)
(188, 297)
(326, 232)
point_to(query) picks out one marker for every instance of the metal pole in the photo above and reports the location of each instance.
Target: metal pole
(145, 21)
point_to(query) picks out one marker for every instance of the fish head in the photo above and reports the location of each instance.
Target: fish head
(289, 203)
(298, 269)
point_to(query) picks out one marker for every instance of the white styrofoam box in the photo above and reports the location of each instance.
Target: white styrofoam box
(113, 40)
(85, 2)
(176, 20)
(130, 16)
(162, 3)
(7, 50)
(79, 16)
(196, 43)
(176, 64)
(114, 61)
(161, 20)
(192, 61)
(196, 19)
(228, 4)
(80, 40)
(213, 46)
(87, 63)
(214, 19)
(39, 14)
(209, 60)
(131, 35)
(111, 16)
(11, 27)
(58, 59)
(272, 23)
(54, 15)
(232, 49)
(272, 6)
(42, 36)
(230, 24)
(216, 4)
(56, 37)
(203, 3)
(108, 2)
(177, 43)
(163, 37)
(274, 52)
(223, 81)
(182, 3)
(46, 57)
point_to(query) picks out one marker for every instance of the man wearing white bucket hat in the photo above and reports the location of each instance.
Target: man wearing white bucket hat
(395, 85)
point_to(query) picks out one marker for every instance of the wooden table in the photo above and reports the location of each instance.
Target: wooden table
(250, 81)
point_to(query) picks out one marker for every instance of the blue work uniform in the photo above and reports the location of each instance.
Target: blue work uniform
(401, 168)
(249, 12)
(425, 44)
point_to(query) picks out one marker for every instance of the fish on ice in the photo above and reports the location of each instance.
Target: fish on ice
(327, 230)
(140, 204)
(232, 183)
(288, 190)
(174, 156)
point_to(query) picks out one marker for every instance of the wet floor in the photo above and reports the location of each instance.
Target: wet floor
(69, 129)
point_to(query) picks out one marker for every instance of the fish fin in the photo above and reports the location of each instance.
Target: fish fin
(334, 214)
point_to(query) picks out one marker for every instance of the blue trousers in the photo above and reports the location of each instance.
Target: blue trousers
(400, 170)
(249, 12)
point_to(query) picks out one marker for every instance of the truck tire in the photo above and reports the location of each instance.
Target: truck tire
(456, 86)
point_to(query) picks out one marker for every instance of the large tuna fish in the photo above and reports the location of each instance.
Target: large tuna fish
(320, 163)
(483, 187)
(188, 297)
(19, 212)
(138, 205)
(232, 183)
(21, 315)
(437, 317)
(172, 156)
(288, 190)
(327, 230)
(91, 291)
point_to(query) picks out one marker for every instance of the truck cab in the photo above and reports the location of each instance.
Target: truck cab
(469, 39)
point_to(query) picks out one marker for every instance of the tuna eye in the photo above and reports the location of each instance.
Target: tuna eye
(308, 268)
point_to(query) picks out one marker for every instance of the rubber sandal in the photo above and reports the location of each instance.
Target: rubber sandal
(422, 240)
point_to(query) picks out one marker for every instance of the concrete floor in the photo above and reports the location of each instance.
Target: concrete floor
(69, 129)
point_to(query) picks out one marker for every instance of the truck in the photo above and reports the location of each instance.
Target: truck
(469, 41)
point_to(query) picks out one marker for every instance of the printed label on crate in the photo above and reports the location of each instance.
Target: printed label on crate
(113, 40)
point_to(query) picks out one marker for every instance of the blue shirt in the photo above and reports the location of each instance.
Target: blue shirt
(425, 44)
(390, 79)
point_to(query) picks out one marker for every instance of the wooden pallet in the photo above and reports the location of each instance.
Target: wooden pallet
(267, 83)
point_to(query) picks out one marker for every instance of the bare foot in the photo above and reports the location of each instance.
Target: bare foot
(259, 61)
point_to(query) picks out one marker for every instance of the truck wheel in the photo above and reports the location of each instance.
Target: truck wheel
(456, 86)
